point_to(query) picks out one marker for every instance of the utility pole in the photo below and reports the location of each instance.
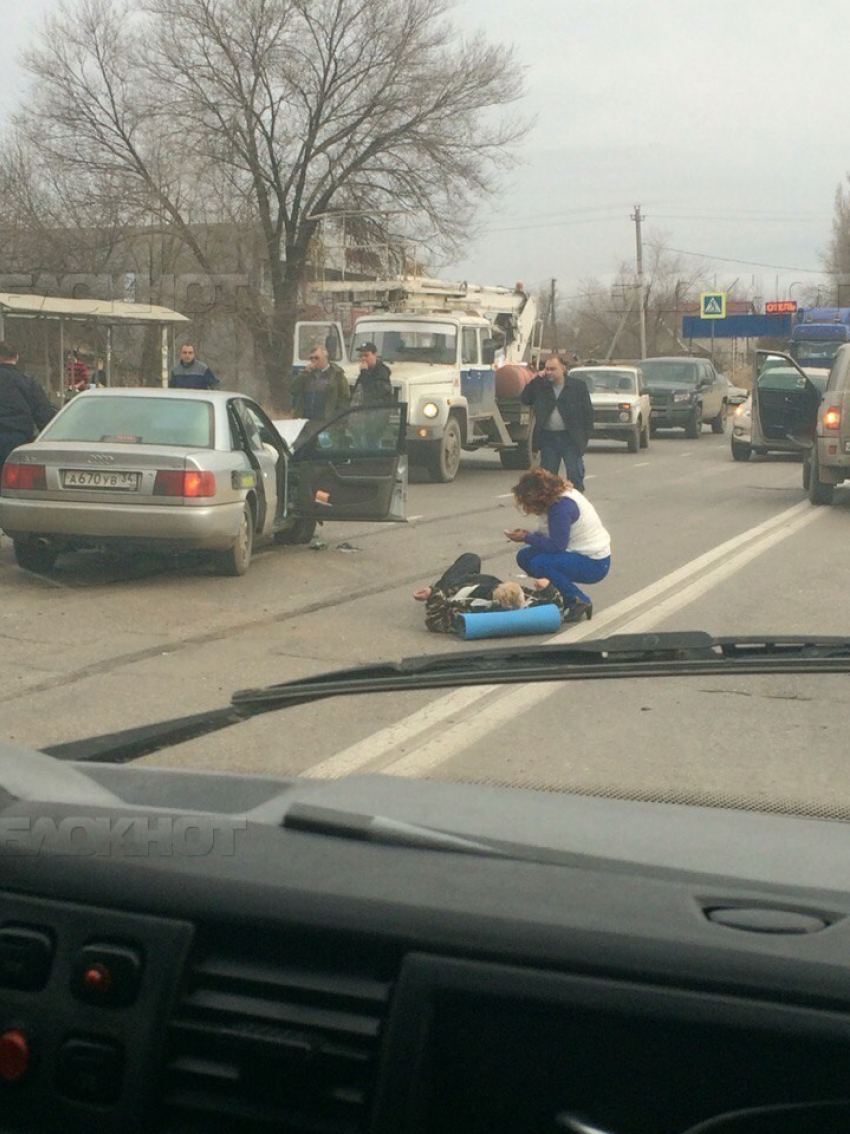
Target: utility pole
(637, 218)
(550, 315)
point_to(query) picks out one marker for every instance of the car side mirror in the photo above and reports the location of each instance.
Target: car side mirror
(488, 351)
(705, 382)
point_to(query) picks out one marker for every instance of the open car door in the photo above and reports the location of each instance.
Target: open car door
(353, 467)
(785, 401)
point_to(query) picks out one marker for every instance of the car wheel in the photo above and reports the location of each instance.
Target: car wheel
(236, 560)
(741, 451)
(819, 493)
(807, 473)
(644, 436)
(633, 439)
(33, 556)
(694, 427)
(718, 424)
(302, 531)
(444, 466)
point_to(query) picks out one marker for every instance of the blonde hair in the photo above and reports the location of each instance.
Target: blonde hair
(509, 595)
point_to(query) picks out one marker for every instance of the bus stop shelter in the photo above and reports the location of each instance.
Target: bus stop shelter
(105, 313)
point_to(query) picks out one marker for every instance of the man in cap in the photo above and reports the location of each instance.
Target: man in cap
(373, 385)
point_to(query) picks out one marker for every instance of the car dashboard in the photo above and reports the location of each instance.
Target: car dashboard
(176, 957)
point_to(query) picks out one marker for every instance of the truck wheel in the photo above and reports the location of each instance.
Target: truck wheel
(33, 557)
(443, 467)
(741, 451)
(718, 424)
(694, 427)
(644, 436)
(819, 493)
(521, 458)
(302, 531)
(633, 439)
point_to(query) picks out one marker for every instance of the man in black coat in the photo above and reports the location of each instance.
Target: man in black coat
(24, 407)
(563, 419)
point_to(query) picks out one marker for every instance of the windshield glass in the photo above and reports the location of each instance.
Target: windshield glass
(297, 502)
(410, 342)
(658, 371)
(135, 421)
(814, 354)
(606, 381)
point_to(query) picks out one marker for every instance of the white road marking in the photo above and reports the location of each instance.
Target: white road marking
(410, 520)
(372, 748)
(453, 740)
(504, 495)
(640, 464)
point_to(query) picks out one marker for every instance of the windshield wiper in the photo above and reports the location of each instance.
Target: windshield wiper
(620, 656)
(624, 655)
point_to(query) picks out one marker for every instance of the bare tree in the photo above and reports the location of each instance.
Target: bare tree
(277, 112)
(606, 318)
(837, 258)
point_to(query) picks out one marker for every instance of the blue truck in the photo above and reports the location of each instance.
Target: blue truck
(817, 334)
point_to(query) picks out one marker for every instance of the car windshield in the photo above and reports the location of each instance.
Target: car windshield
(165, 547)
(182, 422)
(428, 343)
(658, 371)
(606, 381)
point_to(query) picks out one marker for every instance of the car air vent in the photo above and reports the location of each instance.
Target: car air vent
(274, 1039)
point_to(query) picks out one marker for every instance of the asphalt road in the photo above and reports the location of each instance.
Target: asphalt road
(699, 542)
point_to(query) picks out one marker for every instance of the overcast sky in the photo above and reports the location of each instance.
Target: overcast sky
(725, 119)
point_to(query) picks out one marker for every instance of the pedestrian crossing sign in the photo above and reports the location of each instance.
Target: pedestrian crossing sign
(712, 305)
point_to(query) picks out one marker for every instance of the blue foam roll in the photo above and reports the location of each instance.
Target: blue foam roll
(544, 619)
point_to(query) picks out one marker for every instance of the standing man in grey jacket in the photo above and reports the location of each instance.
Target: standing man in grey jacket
(190, 373)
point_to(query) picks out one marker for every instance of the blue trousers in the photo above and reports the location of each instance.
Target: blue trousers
(564, 569)
(557, 446)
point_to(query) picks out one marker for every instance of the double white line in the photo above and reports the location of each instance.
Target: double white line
(396, 750)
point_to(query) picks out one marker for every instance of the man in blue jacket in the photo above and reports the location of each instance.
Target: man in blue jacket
(24, 406)
(563, 419)
(190, 373)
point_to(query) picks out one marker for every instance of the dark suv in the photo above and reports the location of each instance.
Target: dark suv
(686, 393)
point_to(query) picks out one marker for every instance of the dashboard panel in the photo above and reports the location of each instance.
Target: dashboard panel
(287, 980)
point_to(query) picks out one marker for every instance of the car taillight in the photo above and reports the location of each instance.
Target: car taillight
(24, 478)
(832, 418)
(176, 482)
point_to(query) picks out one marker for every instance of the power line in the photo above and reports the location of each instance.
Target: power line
(749, 263)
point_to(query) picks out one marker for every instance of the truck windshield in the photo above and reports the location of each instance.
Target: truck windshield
(410, 342)
(814, 354)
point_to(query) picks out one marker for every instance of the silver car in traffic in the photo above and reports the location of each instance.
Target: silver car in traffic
(173, 470)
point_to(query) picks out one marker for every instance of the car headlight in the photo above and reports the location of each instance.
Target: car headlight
(683, 397)
(430, 409)
(625, 415)
(744, 410)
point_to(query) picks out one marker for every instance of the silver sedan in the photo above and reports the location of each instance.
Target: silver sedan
(171, 470)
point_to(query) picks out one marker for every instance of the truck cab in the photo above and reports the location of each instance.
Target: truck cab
(444, 347)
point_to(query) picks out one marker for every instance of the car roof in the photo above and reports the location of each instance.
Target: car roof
(606, 366)
(160, 392)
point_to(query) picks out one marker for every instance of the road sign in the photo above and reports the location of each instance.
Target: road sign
(780, 307)
(712, 305)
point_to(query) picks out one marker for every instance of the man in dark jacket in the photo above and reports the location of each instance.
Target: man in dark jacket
(24, 407)
(563, 419)
(373, 385)
(190, 373)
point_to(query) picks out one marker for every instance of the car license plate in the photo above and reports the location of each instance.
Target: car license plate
(114, 481)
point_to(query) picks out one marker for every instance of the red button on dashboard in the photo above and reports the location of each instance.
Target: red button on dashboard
(14, 1055)
(97, 978)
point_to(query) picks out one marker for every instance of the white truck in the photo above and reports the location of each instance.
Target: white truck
(444, 343)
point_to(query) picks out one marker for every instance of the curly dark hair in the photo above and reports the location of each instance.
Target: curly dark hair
(538, 490)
